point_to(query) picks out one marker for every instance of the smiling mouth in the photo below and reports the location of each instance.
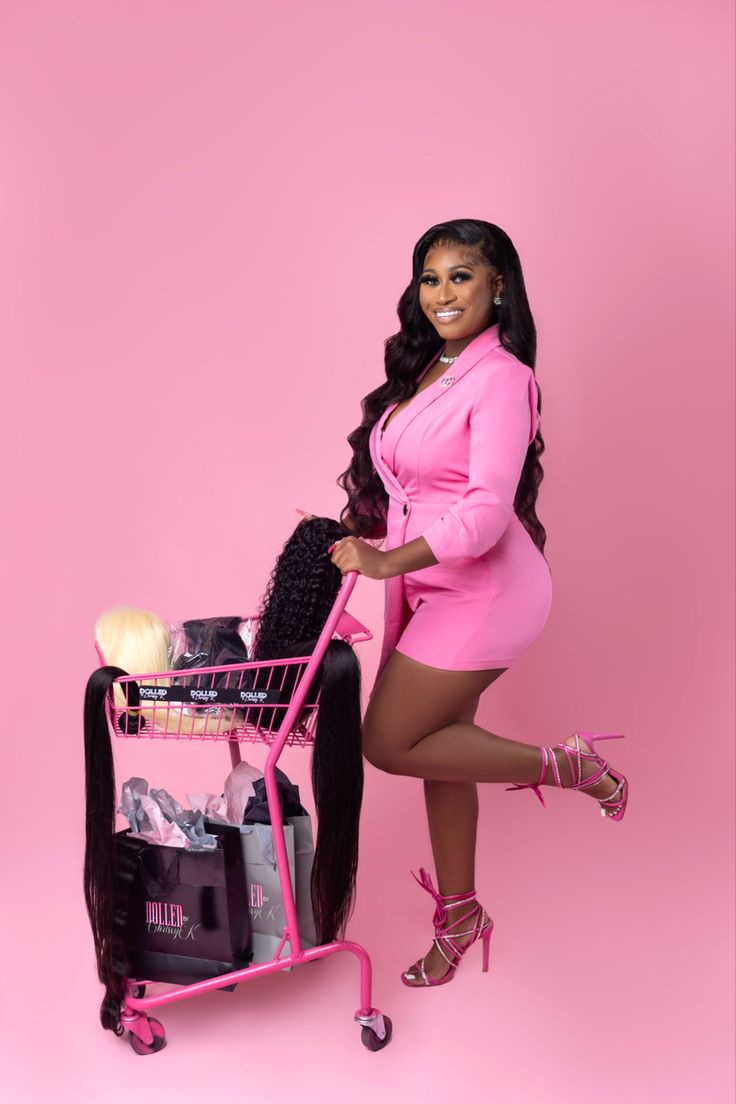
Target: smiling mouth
(447, 316)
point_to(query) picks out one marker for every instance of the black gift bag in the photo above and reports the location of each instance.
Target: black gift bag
(187, 915)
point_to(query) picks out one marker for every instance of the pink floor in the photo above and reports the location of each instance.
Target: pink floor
(610, 979)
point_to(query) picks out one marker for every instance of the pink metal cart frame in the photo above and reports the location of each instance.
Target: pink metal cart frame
(147, 1035)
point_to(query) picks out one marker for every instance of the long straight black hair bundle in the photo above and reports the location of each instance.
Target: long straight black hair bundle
(106, 880)
(300, 594)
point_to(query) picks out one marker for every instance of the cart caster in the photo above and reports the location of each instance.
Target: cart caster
(157, 1043)
(372, 1040)
(138, 991)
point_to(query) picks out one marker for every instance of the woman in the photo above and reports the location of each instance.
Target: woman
(446, 467)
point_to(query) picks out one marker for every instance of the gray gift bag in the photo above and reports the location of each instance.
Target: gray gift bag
(265, 900)
(303, 861)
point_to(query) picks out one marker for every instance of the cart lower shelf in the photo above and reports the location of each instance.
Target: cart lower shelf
(147, 1035)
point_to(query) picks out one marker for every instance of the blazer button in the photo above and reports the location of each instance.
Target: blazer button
(406, 507)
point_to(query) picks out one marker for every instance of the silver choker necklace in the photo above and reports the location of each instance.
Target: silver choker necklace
(451, 360)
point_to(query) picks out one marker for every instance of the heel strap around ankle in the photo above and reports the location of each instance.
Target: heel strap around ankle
(443, 902)
(548, 756)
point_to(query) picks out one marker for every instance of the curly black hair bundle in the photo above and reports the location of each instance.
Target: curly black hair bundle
(298, 599)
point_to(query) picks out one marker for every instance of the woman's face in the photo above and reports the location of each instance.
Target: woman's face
(456, 291)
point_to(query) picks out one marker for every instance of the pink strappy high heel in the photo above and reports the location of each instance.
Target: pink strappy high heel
(453, 952)
(613, 806)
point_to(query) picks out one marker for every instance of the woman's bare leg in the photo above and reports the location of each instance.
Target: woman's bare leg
(419, 722)
(452, 814)
(410, 728)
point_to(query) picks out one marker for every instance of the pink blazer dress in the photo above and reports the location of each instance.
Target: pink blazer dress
(451, 462)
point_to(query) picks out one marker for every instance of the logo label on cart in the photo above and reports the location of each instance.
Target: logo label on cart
(153, 693)
(214, 696)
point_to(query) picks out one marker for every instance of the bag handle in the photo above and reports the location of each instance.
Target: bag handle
(160, 882)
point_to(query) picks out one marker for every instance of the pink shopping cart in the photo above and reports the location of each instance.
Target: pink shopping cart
(261, 716)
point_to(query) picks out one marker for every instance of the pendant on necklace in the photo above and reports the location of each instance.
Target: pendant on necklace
(446, 381)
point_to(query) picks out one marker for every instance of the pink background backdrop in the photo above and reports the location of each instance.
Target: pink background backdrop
(208, 212)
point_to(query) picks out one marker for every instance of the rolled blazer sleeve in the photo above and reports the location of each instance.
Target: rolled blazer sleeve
(503, 422)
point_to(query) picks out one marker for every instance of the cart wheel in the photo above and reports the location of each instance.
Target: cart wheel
(158, 1043)
(138, 991)
(369, 1038)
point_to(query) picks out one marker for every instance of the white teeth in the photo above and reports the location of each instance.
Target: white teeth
(447, 314)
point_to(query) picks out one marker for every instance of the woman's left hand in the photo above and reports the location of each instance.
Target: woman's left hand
(353, 554)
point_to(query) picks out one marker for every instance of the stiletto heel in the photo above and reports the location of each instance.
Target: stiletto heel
(486, 937)
(613, 806)
(591, 737)
(445, 941)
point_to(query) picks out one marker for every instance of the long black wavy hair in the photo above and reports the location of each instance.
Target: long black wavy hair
(408, 352)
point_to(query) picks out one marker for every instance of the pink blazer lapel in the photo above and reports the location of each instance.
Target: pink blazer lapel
(474, 351)
(387, 476)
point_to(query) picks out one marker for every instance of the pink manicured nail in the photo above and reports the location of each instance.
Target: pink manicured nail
(332, 546)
